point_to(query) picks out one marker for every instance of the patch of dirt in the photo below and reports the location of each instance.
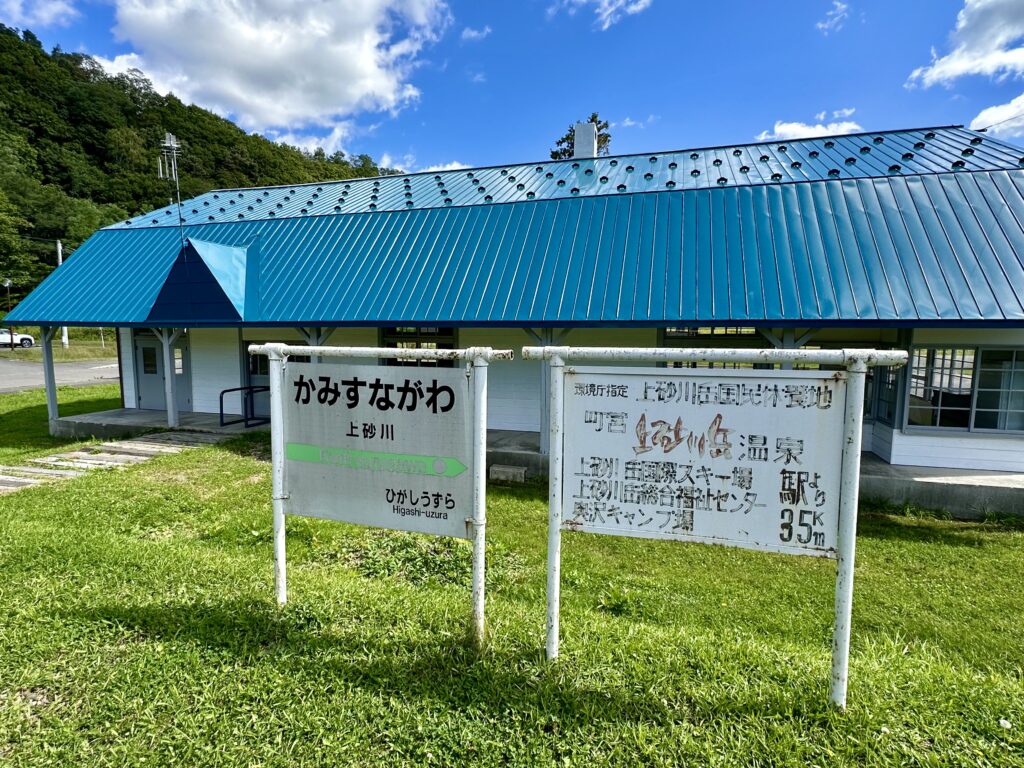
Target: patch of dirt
(32, 700)
(163, 533)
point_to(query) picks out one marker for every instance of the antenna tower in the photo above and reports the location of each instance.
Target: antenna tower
(167, 168)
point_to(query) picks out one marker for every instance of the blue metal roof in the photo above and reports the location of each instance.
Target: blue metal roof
(852, 156)
(896, 250)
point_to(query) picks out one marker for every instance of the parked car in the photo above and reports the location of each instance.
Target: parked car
(21, 339)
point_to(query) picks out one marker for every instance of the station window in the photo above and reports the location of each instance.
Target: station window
(967, 388)
(421, 337)
(702, 336)
(887, 381)
(259, 365)
(704, 331)
(149, 360)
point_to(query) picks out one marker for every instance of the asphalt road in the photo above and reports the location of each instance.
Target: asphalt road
(16, 375)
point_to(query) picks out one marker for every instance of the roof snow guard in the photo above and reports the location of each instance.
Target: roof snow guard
(939, 241)
(853, 156)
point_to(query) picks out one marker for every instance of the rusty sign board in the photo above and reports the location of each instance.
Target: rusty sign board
(742, 458)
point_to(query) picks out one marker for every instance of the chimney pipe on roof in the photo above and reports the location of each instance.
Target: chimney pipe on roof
(584, 140)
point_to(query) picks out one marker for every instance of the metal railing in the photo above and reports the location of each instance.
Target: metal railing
(248, 417)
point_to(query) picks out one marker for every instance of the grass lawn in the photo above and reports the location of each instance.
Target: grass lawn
(138, 628)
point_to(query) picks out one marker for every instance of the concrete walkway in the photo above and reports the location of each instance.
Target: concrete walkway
(967, 494)
(111, 455)
(17, 375)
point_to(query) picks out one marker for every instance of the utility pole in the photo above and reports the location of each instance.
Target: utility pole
(63, 328)
(10, 329)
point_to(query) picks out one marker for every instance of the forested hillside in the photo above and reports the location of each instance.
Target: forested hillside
(79, 147)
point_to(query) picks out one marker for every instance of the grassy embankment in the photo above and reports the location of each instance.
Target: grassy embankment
(83, 344)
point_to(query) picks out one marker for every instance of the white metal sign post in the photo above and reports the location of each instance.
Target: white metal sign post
(744, 457)
(388, 447)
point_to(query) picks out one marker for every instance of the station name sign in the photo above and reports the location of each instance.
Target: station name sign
(384, 446)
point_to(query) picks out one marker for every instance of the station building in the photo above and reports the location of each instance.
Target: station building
(909, 239)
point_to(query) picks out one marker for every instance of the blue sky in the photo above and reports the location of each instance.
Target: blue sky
(426, 83)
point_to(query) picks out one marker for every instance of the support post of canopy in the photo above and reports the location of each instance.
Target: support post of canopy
(49, 379)
(315, 337)
(168, 337)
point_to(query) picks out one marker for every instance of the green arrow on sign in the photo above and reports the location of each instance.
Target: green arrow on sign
(376, 461)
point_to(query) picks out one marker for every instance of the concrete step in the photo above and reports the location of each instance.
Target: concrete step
(140, 448)
(185, 438)
(10, 482)
(103, 457)
(70, 462)
(39, 472)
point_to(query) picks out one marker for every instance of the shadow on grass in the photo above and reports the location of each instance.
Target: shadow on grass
(254, 445)
(26, 428)
(931, 530)
(443, 672)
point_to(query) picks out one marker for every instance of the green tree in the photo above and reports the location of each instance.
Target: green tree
(564, 146)
(16, 264)
(79, 147)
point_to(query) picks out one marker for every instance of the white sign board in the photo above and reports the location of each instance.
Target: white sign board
(738, 457)
(385, 446)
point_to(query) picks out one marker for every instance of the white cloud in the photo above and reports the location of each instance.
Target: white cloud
(821, 115)
(273, 64)
(841, 114)
(834, 19)
(330, 142)
(988, 40)
(477, 77)
(405, 164)
(629, 122)
(473, 35)
(608, 12)
(1009, 116)
(454, 165)
(797, 130)
(37, 13)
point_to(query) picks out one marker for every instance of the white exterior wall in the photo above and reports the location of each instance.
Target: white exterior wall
(983, 336)
(216, 366)
(340, 337)
(129, 395)
(958, 450)
(513, 388)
